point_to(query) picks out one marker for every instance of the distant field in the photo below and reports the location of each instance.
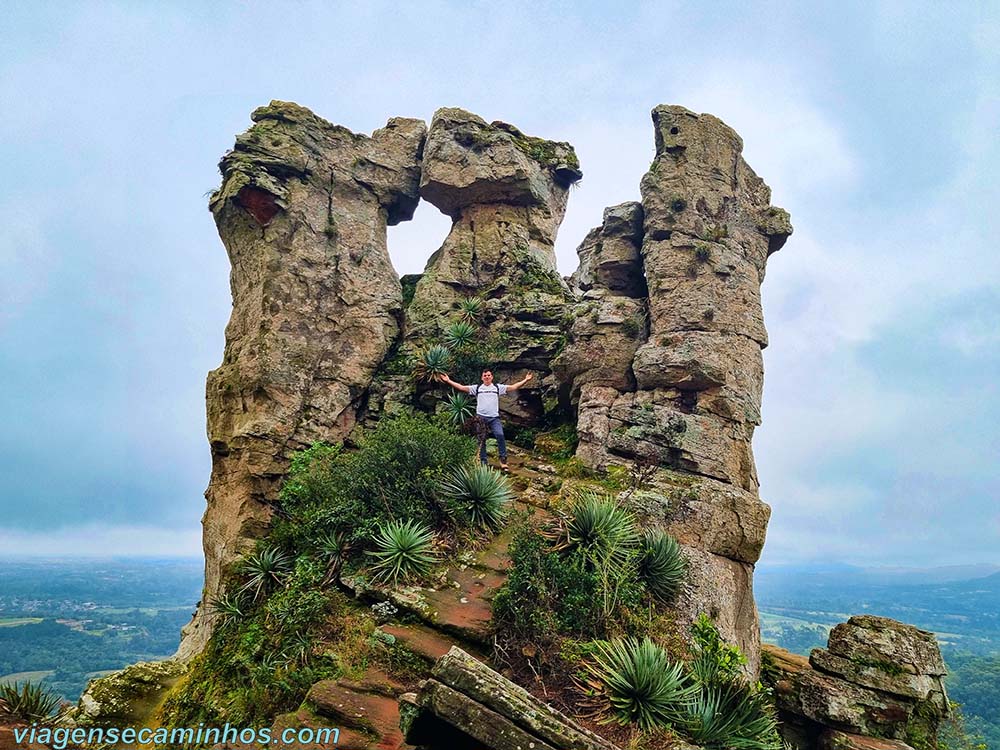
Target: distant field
(13, 622)
(26, 676)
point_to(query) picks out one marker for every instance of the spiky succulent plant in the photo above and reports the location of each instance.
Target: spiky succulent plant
(471, 308)
(477, 495)
(432, 362)
(229, 608)
(459, 408)
(459, 335)
(403, 549)
(641, 683)
(264, 570)
(735, 716)
(29, 702)
(662, 565)
(602, 530)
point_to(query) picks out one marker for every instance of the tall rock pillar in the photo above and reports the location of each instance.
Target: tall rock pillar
(688, 399)
(302, 211)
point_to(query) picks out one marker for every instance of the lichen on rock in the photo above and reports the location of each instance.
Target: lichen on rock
(302, 211)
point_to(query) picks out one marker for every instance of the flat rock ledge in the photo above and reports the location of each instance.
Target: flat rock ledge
(473, 706)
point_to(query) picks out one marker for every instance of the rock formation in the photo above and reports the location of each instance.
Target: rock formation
(877, 680)
(467, 704)
(302, 211)
(664, 360)
(506, 194)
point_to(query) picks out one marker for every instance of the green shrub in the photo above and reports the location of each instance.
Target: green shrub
(728, 711)
(477, 496)
(716, 662)
(29, 702)
(393, 475)
(641, 683)
(403, 550)
(545, 593)
(662, 565)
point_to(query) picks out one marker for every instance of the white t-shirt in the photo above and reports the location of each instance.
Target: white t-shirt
(487, 398)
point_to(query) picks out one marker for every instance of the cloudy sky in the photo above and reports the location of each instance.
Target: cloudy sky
(875, 123)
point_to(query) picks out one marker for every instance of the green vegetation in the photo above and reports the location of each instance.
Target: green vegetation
(459, 408)
(28, 702)
(643, 686)
(580, 577)
(284, 624)
(477, 496)
(702, 253)
(263, 570)
(394, 475)
(707, 701)
(408, 283)
(459, 335)
(736, 716)
(404, 550)
(602, 531)
(662, 565)
(633, 327)
(470, 309)
(434, 361)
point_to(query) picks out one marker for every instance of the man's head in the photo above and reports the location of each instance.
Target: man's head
(487, 377)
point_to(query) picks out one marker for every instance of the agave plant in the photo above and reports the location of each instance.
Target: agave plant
(641, 683)
(264, 569)
(733, 716)
(332, 547)
(229, 607)
(471, 308)
(601, 529)
(30, 702)
(433, 362)
(662, 565)
(459, 408)
(477, 495)
(404, 550)
(459, 335)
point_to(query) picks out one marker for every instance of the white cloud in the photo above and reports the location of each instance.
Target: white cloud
(100, 540)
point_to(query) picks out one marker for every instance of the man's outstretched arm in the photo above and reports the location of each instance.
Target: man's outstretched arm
(519, 383)
(445, 379)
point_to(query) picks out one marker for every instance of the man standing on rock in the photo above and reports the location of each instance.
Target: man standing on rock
(488, 396)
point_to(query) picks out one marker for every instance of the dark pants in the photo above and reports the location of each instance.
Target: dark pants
(492, 427)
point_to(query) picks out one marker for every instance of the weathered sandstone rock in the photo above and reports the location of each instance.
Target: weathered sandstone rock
(689, 399)
(302, 211)
(878, 678)
(129, 696)
(466, 699)
(506, 193)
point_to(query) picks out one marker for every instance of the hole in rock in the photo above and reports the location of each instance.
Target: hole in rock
(674, 130)
(411, 243)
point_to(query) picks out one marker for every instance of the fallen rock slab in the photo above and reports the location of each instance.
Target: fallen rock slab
(467, 697)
